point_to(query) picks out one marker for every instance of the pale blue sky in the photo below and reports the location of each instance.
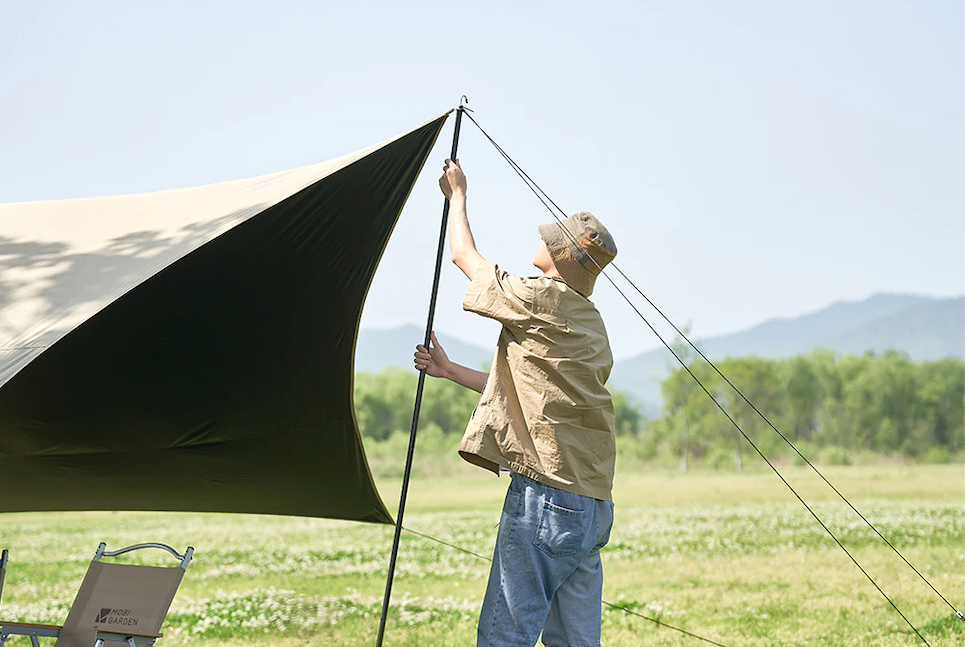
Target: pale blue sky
(752, 159)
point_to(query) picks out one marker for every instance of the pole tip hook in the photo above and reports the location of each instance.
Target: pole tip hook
(463, 101)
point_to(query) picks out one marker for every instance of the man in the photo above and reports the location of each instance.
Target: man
(546, 416)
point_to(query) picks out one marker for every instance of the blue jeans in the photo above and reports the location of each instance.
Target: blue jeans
(546, 573)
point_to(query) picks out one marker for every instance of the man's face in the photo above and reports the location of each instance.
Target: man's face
(542, 260)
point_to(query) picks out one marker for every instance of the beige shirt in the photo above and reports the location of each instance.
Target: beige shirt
(545, 412)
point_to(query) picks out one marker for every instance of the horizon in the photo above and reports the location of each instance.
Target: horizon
(619, 357)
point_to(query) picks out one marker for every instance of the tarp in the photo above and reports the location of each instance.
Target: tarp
(193, 349)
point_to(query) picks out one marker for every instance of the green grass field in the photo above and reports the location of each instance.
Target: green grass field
(731, 557)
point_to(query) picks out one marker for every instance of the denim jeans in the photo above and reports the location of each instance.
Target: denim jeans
(546, 574)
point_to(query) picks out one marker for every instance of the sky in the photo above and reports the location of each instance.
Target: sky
(751, 159)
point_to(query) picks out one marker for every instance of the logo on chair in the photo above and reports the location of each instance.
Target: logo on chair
(115, 617)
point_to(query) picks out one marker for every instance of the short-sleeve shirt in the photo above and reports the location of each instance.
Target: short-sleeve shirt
(545, 412)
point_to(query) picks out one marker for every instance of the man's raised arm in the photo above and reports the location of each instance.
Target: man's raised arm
(461, 243)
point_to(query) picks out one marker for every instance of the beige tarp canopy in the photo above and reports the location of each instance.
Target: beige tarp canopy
(193, 349)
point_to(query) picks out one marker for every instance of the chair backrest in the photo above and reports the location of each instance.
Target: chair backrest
(3, 569)
(122, 597)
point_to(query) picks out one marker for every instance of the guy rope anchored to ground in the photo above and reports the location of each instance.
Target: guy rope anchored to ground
(545, 388)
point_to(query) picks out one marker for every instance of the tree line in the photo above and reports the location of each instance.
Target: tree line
(886, 404)
(825, 404)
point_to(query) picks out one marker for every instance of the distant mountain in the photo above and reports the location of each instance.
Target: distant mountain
(785, 337)
(929, 331)
(924, 327)
(381, 348)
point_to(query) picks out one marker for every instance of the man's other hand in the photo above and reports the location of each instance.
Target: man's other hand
(434, 362)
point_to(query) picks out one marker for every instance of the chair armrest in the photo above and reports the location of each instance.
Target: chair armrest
(31, 629)
(29, 625)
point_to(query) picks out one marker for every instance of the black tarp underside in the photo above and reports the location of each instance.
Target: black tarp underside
(224, 382)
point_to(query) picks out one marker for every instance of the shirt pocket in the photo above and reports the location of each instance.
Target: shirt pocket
(560, 531)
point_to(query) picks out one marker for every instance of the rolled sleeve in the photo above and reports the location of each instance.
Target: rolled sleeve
(499, 295)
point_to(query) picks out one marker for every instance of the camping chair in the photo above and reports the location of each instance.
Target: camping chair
(116, 603)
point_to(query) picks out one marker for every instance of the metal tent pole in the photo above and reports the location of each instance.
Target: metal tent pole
(418, 394)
